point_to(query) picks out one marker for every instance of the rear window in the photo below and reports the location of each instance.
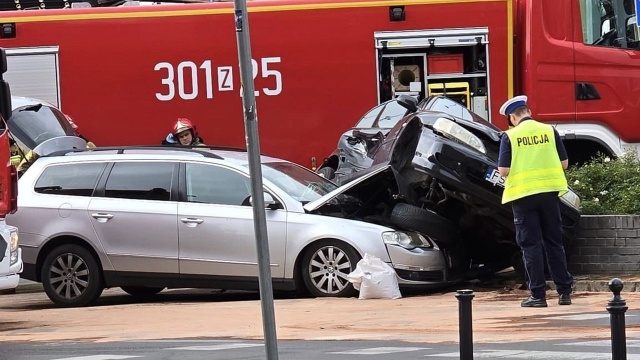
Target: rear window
(32, 125)
(69, 179)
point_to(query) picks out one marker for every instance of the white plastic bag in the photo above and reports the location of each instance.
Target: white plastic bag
(375, 279)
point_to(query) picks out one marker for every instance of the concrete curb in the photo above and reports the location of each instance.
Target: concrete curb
(588, 283)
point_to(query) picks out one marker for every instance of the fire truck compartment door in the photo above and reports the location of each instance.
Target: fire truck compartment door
(428, 38)
(33, 72)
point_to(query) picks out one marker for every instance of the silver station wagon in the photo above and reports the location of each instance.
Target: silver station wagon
(146, 219)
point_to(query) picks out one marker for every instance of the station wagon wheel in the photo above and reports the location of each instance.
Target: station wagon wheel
(325, 267)
(71, 276)
(141, 290)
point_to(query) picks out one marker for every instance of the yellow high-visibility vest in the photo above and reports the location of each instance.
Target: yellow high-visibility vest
(535, 164)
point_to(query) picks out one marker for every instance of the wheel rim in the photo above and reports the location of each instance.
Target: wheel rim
(69, 276)
(328, 269)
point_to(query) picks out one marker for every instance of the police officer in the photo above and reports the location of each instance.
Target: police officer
(533, 159)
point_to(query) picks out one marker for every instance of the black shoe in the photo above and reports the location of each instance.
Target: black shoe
(564, 299)
(533, 302)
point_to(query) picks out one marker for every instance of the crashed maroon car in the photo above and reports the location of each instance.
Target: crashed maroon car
(445, 183)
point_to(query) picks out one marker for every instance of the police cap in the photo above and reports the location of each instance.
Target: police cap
(512, 104)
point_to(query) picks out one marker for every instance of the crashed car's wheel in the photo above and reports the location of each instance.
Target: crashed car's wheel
(141, 290)
(325, 267)
(424, 221)
(327, 172)
(71, 276)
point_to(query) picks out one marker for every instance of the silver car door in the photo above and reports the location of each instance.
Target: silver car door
(215, 225)
(135, 217)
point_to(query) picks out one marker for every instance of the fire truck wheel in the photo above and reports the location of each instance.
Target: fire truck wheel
(327, 172)
(325, 267)
(424, 221)
(71, 276)
(141, 290)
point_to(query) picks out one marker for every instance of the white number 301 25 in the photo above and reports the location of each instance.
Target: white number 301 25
(175, 77)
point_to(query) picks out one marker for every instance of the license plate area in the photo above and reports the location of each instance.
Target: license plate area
(493, 176)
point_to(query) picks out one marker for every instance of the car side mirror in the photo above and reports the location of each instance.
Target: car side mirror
(269, 201)
(408, 102)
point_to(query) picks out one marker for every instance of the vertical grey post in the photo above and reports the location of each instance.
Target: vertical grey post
(253, 149)
(617, 307)
(464, 323)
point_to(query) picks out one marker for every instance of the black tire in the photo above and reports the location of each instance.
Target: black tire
(327, 172)
(141, 291)
(325, 267)
(71, 276)
(410, 217)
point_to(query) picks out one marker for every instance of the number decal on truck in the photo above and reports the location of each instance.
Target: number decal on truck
(186, 77)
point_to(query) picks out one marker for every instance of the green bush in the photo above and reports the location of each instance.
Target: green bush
(607, 186)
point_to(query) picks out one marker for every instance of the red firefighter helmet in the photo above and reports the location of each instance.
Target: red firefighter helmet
(183, 124)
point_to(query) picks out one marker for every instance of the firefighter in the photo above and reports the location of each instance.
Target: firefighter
(16, 152)
(533, 159)
(183, 133)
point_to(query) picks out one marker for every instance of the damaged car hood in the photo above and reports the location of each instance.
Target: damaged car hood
(331, 196)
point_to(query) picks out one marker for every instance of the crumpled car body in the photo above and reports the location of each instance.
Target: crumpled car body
(356, 144)
(445, 169)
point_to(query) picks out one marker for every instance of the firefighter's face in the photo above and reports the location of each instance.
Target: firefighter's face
(185, 137)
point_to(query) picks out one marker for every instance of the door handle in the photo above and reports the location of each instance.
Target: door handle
(191, 221)
(102, 217)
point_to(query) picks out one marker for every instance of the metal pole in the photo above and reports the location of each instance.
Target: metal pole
(253, 150)
(464, 323)
(617, 307)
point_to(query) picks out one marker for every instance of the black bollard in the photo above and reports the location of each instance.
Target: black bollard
(464, 321)
(617, 307)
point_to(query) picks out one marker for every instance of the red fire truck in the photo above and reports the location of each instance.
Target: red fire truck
(126, 73)
(8, 173)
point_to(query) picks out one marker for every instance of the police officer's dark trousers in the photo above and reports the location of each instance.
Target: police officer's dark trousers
(538, 232)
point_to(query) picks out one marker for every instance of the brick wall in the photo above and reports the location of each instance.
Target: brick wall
(606, 244)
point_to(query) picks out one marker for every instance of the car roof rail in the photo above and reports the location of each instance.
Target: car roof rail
(131, 149)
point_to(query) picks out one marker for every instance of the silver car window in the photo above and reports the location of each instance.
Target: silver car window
(139, 180)
(216, 185)
(69, 179)
(31, 125)
(300, 183)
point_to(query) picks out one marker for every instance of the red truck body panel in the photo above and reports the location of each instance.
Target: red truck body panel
(127, 73)
(322, 53)
(554, 58)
